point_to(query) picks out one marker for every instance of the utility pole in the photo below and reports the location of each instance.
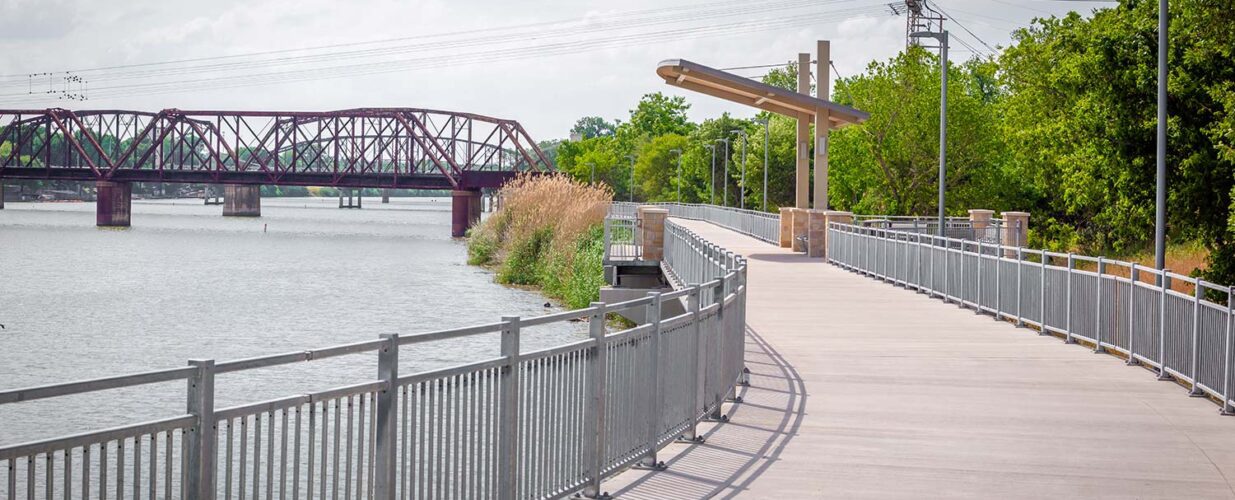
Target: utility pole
(724, 178)
(1160, 195)
(942, 36)
(712, 177)
(632, 177)
(679, 183)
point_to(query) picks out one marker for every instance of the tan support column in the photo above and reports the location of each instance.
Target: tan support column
(652, 231)
(829, 217)
(980, 222)
(823, 124)
(786, 227)
(1016, 230)
(800, 227)
(802, 149)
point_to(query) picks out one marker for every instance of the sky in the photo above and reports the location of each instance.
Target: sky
(543, 63)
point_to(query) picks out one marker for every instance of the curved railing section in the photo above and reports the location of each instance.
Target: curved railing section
(761, 225)
(524, 424)
(1179, 325)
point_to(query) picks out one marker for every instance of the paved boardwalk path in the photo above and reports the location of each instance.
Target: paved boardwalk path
(860, 389)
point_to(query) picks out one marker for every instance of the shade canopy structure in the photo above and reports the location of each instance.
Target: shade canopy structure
(710, 81)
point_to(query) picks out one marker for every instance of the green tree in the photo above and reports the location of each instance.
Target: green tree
(592, 126)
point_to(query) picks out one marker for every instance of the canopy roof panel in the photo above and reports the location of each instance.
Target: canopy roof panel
(742, 90)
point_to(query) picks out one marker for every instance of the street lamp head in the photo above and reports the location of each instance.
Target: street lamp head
(738, 131)
(761, 121)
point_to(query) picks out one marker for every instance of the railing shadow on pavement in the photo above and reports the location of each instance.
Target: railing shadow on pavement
(736, 453)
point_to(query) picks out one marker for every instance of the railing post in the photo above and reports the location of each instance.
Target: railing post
(200, 453)
(594, 431)
(1068, 314)
(652, 317)
(961, 263)
(1196, 328)
(1227, 408)
(1042, 296)
(718, 296)
(1020, 266)
(508, 452)
(384, 475)
(978, 298)
(1165, 281)
(1133, 276)
(694, 307)
(947, 265)
(998, 282)
(1097, 333)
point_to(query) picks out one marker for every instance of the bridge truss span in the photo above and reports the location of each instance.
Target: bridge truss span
(366, 147)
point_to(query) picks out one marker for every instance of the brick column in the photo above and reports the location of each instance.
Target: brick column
(1016, 229)
(980, 222)
(652, 231)
(816, 233)
(786, 227)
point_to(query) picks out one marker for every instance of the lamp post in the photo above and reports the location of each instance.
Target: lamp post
(593, 181)
(632, 177)
(679, 183)
(712, 177)
(766, 133)
(724, 177)
(742, 183)
(1160, 194)
(942, 36)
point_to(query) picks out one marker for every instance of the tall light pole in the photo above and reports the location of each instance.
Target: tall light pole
(724, 177)
(679, 183)
(632, 177)
(1160, 195)
(742, 184)
(712, 177)
(593, 181)
(765, 122)
(942, 36)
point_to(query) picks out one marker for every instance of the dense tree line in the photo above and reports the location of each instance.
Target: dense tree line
(1060, 123)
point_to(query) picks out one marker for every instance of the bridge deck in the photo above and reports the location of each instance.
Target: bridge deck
(863, 389)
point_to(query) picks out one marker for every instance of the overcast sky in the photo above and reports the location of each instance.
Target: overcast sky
(599, 67)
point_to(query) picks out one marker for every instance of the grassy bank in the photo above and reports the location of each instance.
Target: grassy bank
(548, 234)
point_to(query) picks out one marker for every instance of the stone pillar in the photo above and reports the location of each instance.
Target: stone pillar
(1016, 230)
(823, 123)
(786, 227)
(816, 233)
(463, 211)
(802, 149)
(652, 231)
(242, 200)
(800, 226)
(980, 223)
(113, 204)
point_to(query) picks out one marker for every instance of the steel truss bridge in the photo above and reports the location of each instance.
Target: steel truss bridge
(367, 147)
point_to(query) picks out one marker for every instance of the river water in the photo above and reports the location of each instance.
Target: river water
(186, 283)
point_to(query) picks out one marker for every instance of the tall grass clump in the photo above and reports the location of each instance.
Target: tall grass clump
(549, 234)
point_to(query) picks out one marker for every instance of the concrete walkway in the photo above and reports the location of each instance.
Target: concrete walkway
(861, 389)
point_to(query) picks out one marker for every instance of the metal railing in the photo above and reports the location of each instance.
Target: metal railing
(761, 225)
(538, 424)
(994, 231)
(1118, 307)
(622, 239)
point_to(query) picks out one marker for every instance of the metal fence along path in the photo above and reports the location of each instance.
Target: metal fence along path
(525, 424)
(1137, 313)
(762, 225)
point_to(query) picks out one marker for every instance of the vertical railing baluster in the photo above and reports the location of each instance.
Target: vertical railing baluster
(1164, 281)
(1198, 292)
(1020, 271)
(199, 477)
(1227, 408)
(386, 413)
(1068, 301)
(594, 451)
(1133, 277)
(508, 468)
(977, 299)
(653, 405)
(1042, 295)
(1097, 335)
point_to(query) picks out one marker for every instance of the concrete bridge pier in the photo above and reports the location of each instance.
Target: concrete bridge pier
(385, 196)
(464, 211)
(113, 203)
(242, 200)
(1, 196)
(353, 198)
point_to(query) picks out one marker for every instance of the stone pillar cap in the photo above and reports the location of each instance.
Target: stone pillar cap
(838, 212)
(653, 209)
(1016, 214)
(981, 211)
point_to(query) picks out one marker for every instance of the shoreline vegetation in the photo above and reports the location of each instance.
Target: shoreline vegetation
(548, 234)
